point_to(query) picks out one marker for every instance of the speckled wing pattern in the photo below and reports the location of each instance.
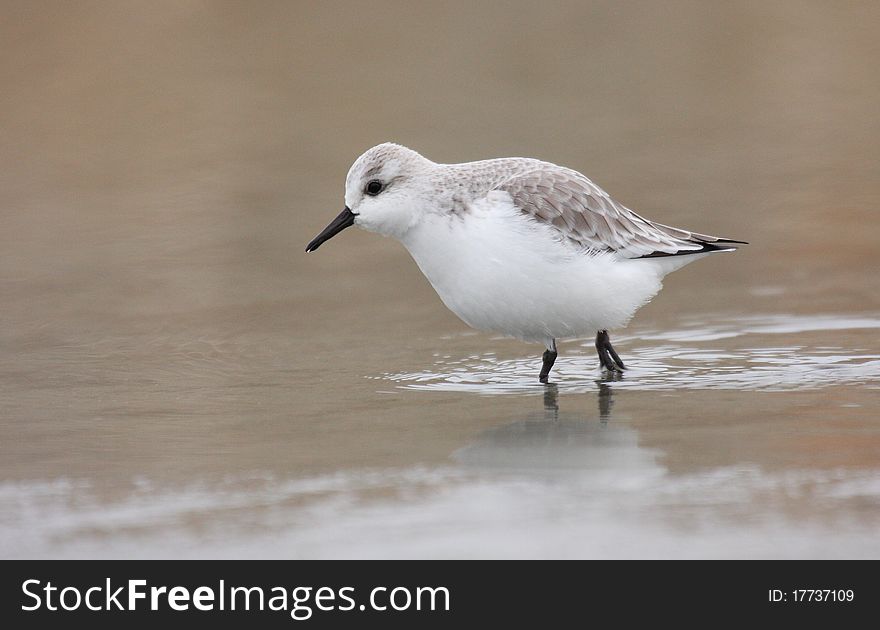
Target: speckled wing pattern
(584, 214)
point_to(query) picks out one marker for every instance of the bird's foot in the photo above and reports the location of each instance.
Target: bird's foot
(549, 359)
(608, 357)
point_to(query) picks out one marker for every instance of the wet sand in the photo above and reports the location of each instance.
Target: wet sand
(179, 379)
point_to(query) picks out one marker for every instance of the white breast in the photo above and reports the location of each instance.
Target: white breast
(503, 272)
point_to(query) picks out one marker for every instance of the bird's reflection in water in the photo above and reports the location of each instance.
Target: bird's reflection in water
(562, 439)
(551, 402)
(604, 398)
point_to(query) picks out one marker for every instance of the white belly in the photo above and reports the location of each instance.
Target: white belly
(500, 271)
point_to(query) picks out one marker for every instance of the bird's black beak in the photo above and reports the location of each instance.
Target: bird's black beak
(344, 220)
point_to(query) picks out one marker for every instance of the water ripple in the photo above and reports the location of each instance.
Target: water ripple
(769, 353)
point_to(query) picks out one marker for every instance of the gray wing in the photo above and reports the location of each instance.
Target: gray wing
(584, 214)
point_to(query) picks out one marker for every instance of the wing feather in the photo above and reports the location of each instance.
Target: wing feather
(586, 215)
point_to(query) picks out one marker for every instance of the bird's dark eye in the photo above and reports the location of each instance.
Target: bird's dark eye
(374, 187)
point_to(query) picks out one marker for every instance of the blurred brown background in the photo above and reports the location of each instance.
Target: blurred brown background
(147, 146)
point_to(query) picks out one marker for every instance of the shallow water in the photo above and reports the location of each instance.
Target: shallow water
(688, 358)
(179, 379)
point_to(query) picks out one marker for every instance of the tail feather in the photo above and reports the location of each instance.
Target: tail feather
(706, 242)
(721, 245)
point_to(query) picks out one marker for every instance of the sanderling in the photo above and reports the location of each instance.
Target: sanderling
(519, 246)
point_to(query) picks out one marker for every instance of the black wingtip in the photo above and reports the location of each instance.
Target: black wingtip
(721, 245)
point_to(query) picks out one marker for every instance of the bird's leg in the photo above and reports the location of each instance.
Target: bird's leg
(549, 359)
(608, 358)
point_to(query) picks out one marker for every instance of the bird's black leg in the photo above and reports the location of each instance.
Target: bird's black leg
(608, 358)
(549, 359)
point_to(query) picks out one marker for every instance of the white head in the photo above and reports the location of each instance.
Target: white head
(384, 192)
